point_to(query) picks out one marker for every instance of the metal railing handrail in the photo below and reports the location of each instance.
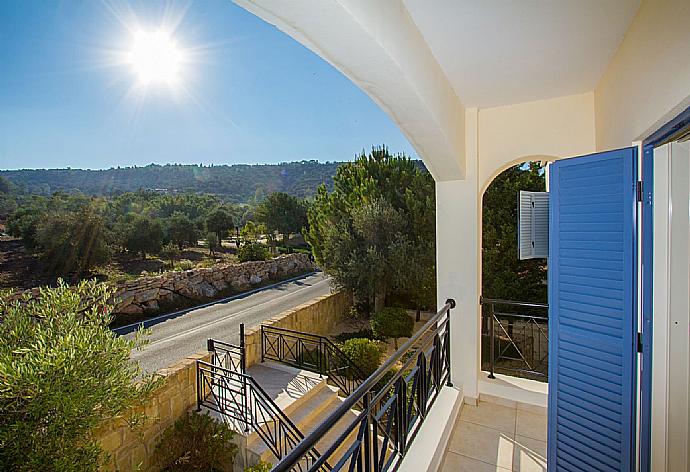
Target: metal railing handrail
(361, 393)
(520, 316)
(495, 316)
(321, 340)
(248, 382)
(499, 301)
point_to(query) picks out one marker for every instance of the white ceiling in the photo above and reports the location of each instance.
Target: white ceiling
(497, 52)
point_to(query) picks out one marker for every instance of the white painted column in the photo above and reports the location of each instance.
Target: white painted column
(458, 223)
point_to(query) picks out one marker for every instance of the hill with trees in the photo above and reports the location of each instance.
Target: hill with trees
(237, 183)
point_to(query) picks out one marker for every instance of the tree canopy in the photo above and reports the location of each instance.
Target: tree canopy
(376, 231)
(282, 213)
(503, 274)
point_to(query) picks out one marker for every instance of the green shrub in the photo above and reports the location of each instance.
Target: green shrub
(196, 442)
(62, 374)
(260, 466)
(253, 252)
(362, 333)
(185, 264)
(392, 323)
(365, 353)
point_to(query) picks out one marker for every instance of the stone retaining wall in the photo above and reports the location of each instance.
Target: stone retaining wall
(150, 293)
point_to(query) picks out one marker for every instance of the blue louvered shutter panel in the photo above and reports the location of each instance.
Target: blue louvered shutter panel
(592, 313)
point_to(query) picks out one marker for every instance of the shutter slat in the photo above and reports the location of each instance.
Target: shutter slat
(592, 312)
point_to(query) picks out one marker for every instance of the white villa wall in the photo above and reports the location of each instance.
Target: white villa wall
(548, 129)
(648, 81)
(457, 263)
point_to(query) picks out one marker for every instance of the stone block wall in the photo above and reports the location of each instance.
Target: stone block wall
(150, 293)
(318, 316)
(132, 449)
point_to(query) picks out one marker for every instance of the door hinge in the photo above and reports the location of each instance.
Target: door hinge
(639, 191)
(639, 342)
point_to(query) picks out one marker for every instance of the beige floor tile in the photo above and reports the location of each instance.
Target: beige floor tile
(532, 425)
(529, 455)
(482, 443)
(458, 463)
(492, 415)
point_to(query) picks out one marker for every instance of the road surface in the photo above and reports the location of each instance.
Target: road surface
(175, 338)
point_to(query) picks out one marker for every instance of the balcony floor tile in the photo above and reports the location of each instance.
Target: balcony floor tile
(499, 438)
(531, 424)
(491, 415)
(458, 463)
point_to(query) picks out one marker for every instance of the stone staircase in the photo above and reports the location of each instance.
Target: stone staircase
(307, 400)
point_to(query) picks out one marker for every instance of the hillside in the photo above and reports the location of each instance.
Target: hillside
(235, 183)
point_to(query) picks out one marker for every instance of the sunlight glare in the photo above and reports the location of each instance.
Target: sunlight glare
(155, 58)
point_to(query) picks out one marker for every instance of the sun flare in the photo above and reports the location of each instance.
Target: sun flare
(155, 58)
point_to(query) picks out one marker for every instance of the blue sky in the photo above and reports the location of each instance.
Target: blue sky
(251, 94)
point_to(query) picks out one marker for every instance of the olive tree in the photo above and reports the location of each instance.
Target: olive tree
(63, 372)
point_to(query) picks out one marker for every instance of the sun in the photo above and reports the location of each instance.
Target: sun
(155, 58)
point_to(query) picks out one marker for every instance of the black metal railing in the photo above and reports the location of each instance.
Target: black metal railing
(246, 406)
(228, 355)
(515, 338)
(311, 352)
(396, 399)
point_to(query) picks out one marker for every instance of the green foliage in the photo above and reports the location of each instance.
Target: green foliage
(362, 333)
(73, 242)
(503, 274)
(282, 213)
(365, 353)
(392, 323)
(375, 233)
(235, 183)
(252, 231)
(170, 251)
(253, 252)
(141, 235)
(185, 264)
(196, 442)
(212, 242)
(220, 220)
(62, 373)
(181, 231)
(260, 466)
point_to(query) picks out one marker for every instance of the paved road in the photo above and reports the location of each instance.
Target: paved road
(176, 338)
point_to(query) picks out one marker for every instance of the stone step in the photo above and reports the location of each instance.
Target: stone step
(304, 414)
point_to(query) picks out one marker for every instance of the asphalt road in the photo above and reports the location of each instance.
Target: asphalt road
(173, 339)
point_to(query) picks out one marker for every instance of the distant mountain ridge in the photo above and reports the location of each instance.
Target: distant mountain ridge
(236, 183)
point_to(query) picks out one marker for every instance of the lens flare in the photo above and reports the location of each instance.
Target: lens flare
(155, 58)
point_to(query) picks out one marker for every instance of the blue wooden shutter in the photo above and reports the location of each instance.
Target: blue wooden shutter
(592, 312)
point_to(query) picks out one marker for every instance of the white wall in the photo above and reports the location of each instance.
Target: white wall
(648, 81)
(671, 354)
(457, 263)
(555, 128)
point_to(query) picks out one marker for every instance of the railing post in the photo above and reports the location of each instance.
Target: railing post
(492, 341)
(262, 344)
(322, 358)
(368, 434)
(451, 302)
(243, 361)
(198, 387)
